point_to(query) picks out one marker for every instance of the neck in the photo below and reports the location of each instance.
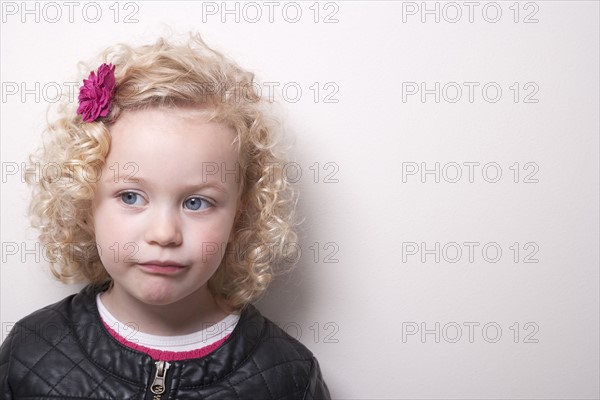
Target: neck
(193, 313)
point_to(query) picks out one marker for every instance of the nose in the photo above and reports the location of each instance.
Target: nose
(164, 229)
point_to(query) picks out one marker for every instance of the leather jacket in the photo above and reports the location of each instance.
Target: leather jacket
(63, 351)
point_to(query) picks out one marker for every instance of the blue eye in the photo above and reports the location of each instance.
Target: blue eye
(129, 197)
(195, 203)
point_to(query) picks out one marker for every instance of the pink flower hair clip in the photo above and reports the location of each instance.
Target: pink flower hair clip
(96, 94)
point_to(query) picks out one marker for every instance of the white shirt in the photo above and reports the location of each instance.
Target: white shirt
(192, 341)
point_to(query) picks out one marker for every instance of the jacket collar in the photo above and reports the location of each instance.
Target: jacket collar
(101, 348)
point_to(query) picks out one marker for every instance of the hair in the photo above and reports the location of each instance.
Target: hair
(167, 74)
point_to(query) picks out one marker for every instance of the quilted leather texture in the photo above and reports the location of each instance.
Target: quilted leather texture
(64, 352)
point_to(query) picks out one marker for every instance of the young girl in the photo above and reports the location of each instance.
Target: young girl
(172, 204)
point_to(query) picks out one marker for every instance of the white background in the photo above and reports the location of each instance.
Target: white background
(358, 301)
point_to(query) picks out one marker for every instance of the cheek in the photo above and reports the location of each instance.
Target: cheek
(206, 238)
(103, 238)
(107, 230)
(217, 231)
(99, 224)
(209, 242)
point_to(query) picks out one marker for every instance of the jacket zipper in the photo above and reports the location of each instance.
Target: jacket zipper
(158, 385)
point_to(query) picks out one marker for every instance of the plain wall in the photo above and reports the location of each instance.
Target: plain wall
(448, 173)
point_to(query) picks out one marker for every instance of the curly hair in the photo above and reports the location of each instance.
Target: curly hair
(167, 74)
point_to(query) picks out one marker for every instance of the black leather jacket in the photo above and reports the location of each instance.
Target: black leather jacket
(64, 352)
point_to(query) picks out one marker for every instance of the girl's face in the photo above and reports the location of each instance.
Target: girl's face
(165, 204)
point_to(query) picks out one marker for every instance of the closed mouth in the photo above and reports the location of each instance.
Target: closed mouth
(163, 263)
(162, 267)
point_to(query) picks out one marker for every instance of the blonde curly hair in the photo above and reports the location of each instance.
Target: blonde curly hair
(166, 74)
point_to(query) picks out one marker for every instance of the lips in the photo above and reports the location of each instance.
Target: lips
(162, 267)
(166, 263)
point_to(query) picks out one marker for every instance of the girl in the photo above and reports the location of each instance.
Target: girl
(171, 203)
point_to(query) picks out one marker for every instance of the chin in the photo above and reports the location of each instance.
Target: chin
(158, 296)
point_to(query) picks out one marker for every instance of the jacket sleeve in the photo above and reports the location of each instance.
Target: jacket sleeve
(5, 350)
(317, 388)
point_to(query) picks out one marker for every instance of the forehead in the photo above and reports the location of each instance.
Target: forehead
(162, 141)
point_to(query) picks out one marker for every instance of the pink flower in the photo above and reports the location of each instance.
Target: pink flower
(95, 95)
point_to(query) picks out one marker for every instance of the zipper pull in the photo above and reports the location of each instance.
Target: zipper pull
(158, 386)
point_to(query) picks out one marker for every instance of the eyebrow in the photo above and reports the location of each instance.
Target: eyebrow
(188, 186)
